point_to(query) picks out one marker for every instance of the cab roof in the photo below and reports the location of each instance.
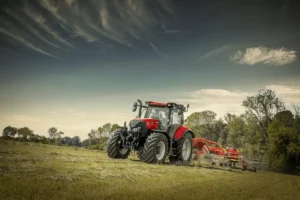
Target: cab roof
(160, 104)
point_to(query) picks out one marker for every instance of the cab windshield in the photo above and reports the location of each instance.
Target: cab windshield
(157, 113)
(160, 113)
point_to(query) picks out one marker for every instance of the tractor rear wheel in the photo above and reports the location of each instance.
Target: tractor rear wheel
(115, 148)
(184, 151)
(155, 149)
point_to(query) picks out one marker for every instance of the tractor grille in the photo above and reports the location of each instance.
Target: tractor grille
(138, 128)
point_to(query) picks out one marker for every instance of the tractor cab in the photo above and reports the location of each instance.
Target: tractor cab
(167, 117)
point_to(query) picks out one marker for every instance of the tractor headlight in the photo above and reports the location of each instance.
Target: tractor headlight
(137, 129)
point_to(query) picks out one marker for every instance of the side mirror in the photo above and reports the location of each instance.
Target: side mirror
(187, 108)
(134, 107)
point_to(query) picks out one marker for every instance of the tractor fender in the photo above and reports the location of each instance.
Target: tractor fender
(181, 131)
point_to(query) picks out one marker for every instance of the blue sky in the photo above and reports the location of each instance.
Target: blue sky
(79, 64)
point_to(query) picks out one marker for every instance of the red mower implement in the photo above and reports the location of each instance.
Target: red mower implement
(157, 132)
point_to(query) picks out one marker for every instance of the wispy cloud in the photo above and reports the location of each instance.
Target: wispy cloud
(25, 43)
(85, 35)
(214, 52)
(41, 21)
(111, 22)
(274, 57)
(69, 111)
(21, 118)
(33, 30)
(52, 9)
(157, 50)
(169, 31)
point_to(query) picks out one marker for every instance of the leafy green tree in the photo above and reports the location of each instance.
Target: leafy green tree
(25, 132)
(106, 128)
(52, 133)
(35, 138)
(9, 131)
(229, 117)
(114, 127)
(76, 141)
(296, 109)
(66, 141)
(55, 135)
(264, 106)
(202, 123)
(219, 132)
(236, 132)
(284, 146)
(286, 117)
(93, 134)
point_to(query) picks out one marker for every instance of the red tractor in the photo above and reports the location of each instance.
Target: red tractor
(157, 132)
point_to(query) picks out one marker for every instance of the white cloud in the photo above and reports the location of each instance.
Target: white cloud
(218, 100)
(287, 93)
(274, 57)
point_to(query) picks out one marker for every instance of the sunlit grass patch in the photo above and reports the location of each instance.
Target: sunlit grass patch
(37, 171)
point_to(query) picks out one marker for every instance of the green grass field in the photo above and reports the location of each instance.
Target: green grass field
(37, 171)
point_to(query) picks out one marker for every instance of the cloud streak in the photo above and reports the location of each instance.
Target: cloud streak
(214, 52)
(33, 30)
(41, 22)
(157, 50)
(169, 31)
(25, 43)
(263, 55)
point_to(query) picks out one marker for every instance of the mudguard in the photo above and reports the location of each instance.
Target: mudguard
(181, 131)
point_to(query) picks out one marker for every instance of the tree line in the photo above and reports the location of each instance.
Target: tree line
(97, 138)
(266, 130)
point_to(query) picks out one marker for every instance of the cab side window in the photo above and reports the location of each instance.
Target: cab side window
(177, 117)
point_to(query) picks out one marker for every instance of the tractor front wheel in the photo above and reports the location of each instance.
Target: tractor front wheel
(115, 147)
(155, 149)
(140, 153)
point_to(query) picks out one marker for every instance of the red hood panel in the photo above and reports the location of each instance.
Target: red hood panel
(151, 124)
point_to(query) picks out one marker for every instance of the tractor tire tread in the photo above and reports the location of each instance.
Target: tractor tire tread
(149, 151)
(113, 149)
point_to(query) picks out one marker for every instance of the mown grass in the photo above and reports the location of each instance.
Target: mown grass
(36, 171)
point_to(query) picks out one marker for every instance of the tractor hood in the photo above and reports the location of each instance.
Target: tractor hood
(151, 124)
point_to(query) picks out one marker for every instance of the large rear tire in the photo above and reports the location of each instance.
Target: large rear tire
(115, 147)
(155, 149)
(184, 151)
